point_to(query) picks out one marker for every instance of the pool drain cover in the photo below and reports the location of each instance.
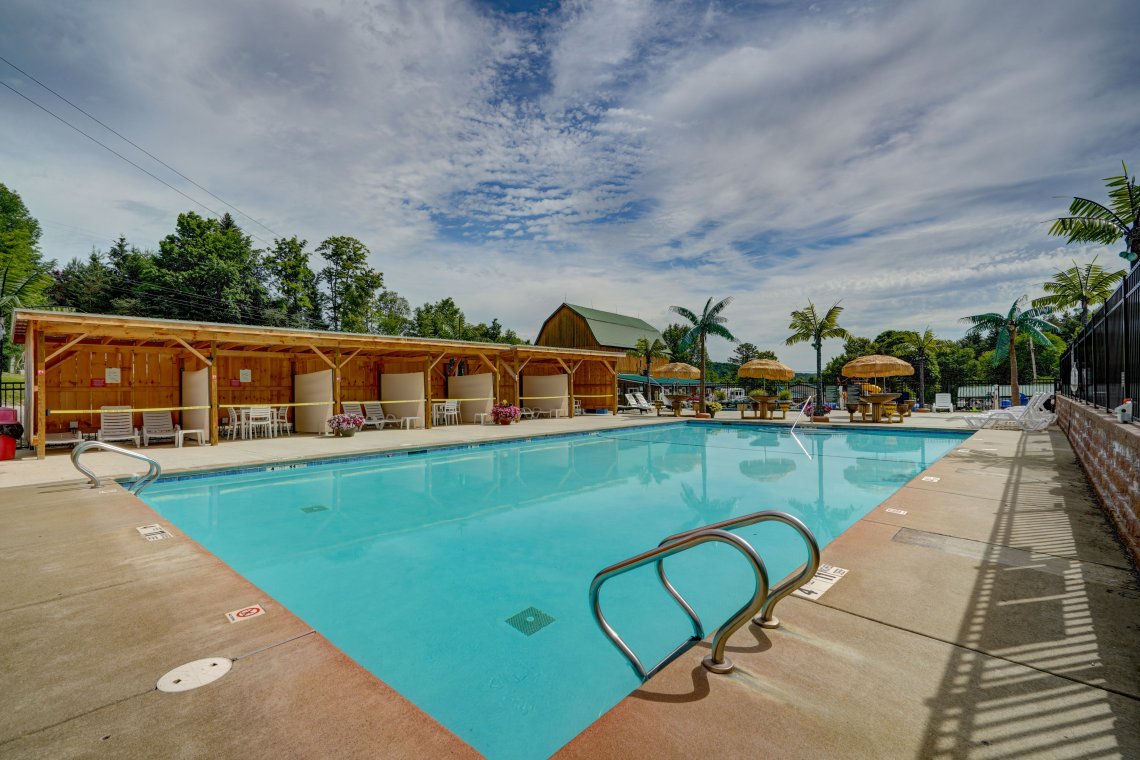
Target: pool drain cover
(530, 621)
(317, 508)
(195, 674)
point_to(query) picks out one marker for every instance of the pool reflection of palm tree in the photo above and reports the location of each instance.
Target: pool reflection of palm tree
(817, 514)
(707, 510)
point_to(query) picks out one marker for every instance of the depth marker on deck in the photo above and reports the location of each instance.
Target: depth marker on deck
(894, 511)
(153, 532)
(930, 479)
(825, 577)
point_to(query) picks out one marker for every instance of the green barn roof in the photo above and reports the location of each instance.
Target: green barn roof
(616, 330)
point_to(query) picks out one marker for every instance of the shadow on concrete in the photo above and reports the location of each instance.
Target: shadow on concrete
(1046, 661)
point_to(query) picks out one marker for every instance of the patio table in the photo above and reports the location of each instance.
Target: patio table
(876, 400)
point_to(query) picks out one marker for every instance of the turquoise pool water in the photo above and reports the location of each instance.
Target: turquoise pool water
(412, 564)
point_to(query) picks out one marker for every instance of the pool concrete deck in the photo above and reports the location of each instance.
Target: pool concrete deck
(997, 618)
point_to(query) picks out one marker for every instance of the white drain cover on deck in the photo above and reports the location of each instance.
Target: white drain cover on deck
(195, 674)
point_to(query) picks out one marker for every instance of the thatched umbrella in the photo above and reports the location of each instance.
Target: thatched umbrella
(766, 369)
(678, 371)
(877, 365)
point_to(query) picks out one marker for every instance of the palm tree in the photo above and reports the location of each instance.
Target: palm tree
(1079, 287)
(1092, 222)
(643, 349)
(708, 323)
(1007, 327)
(921, 347)
(809, 326)
(14, 292)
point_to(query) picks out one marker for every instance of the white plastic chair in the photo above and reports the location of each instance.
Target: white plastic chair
(639, 397)
(942, 401)
(281, 421)
(237, 424)
(115, 425)
(450, 412)
(577, 408)
(157, 426)
(260, 418)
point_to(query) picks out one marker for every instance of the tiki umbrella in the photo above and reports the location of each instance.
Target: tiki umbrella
(766, 369)
(678, 371)
(877, 365)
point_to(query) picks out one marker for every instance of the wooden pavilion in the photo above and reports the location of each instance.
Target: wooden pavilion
(77, 363)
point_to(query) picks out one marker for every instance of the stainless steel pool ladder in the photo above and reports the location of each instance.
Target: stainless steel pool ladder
(716, 661)
(764, 600)
(154, 469)
(767, 617)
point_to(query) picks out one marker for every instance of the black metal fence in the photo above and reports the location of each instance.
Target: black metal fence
(1102, 366)
(12, 393)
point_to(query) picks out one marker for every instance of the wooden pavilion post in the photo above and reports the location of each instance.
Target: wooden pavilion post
(518, 383)
(336, 382)
(212, 379)
(427, 392)
(614, 397)
(41, 395)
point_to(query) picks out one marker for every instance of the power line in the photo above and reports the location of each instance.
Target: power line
(120, 155)
(139, 147)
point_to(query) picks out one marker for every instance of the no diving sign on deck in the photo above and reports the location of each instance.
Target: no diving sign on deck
(245, 613)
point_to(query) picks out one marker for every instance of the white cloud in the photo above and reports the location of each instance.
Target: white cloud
(901, 157)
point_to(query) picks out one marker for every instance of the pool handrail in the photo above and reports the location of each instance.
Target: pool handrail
(767, 617)
(716, 661)
(154, 469)
(799, 417)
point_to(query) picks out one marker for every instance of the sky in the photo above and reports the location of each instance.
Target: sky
(902, 158)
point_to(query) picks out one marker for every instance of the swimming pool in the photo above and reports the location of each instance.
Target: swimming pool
(460, 577)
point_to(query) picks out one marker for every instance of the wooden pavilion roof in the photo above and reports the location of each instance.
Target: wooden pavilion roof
(82, 330)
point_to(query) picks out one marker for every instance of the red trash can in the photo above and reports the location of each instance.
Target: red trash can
(10, 430)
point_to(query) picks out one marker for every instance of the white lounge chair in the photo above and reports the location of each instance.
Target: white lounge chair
(374, 415)
(1010, 414)
(942, 401)
(632, 403)
(158, 426)
(639, 397)
(115, 425)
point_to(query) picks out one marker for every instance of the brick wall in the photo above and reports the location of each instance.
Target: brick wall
(1109, 452)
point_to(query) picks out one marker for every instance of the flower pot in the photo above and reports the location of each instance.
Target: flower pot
(348, 432)
(704, 416)
(820, 419)
(504, 420)
(337, 433)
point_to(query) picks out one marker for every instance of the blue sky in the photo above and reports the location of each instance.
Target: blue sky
(903, 157)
